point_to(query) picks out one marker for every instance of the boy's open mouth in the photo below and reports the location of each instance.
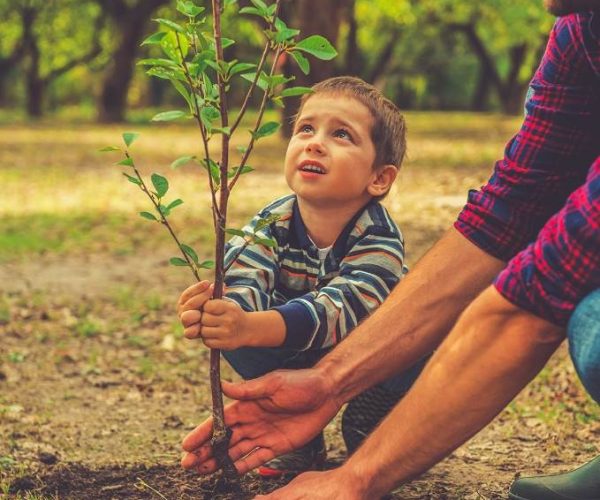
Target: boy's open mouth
(312, 167)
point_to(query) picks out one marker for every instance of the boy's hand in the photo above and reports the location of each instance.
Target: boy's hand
(224, 325)
(190, 305)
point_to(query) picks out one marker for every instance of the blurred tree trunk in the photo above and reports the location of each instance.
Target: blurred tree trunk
(510, 91)
(301, 14)
(130, 21)
(36, 83)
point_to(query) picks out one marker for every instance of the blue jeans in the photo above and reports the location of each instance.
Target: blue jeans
(583, 332)
(253, 362)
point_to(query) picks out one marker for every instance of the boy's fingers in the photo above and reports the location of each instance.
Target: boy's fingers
(197, 301)
(190, 291)
(210, 320)
(217, 306)
(189, 318)
(192, 332)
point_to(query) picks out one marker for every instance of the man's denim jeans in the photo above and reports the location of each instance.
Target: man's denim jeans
(584, 342)
(252, 362)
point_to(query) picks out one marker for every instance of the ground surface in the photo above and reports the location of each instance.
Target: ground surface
(97, 387)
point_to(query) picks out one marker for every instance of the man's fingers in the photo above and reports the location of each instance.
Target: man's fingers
(248, 389)
(253, 460)
(198, 437)
(199, 456)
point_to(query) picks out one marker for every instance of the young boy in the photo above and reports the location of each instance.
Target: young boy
(338, 256)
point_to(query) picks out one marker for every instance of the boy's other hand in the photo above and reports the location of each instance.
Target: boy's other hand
(223, 325)
(189, 307)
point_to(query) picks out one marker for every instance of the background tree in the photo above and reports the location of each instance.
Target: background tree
(130, 21)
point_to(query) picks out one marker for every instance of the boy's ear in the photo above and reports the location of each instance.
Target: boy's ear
(382, 181)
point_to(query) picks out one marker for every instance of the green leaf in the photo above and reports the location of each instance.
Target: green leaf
(170, 24)
(222, 130)
(184, 93)
(149, 216)
(268, 242)
(207, 264)
(266, 129)
(294, 91)
(263, 80)
(129, 137)
(166, 116)
(165, 63)
(245, 169)
(127, 162)
(317, 46)
(236, 232)
(133, 179)
(174, 203)
(160, 184)
(230, 2)
(190, 253)
(266, 221)
(182, 160)
(226, 42)
(260, 5)
(301, 61)
(109, 148)
(178, 261)
(250, 10)
(241, 68)
(170, 45)
(208, 115)
(188, 8)
(166, 74)
(154, 38)
(213, 169)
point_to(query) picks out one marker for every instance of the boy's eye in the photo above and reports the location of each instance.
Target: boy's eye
(303, 129)
(342, 134)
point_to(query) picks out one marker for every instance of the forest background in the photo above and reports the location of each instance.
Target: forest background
(97, 383)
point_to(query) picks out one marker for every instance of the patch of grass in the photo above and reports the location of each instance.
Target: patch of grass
(146, 367)
(89, 327)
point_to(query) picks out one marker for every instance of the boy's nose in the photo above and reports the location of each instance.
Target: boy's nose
(315, 146)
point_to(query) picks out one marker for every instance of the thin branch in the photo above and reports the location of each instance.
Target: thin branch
(244, 246)
(164, 220)
(258, 71)
(215, 211)
(261, 112)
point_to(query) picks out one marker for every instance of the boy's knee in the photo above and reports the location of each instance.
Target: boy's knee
(584, 342)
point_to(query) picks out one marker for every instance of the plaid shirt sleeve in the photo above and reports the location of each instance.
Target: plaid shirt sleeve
(551, 276)
(551, 154)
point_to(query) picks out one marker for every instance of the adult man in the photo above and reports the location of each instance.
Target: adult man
(547, 183)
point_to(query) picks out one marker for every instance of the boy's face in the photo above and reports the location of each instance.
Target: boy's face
(329, 159)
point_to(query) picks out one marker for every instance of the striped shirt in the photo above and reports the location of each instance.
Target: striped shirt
(321, 300)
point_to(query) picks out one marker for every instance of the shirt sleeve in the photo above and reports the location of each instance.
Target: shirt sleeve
(553, 274)
(549, 156)
(250, 281)
(367, 274)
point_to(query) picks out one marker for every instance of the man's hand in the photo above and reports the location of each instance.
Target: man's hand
(189, 307)
(224, 325)
(328, 485)
(274, 414)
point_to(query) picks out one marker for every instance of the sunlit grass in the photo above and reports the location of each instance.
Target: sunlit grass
(65, 197)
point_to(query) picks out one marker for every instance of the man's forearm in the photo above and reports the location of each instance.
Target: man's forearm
(414, 319)
(490, 355)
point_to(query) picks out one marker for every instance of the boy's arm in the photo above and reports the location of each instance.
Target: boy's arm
(367, 274)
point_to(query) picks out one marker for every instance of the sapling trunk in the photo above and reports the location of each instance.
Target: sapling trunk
(203, 80)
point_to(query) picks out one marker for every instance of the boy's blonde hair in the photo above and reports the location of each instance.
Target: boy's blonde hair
(389, 130)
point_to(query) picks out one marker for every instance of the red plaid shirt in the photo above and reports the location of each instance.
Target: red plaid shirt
(540, 210)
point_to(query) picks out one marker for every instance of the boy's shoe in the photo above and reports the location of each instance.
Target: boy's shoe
(364, 412)
(311, 456)
(581, 484)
